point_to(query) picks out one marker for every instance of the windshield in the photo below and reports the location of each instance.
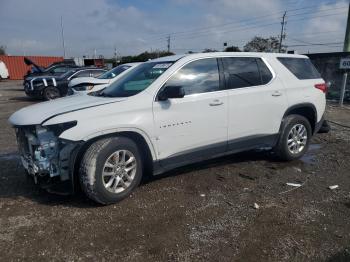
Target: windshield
(114, 72)
(48, 69)
(137, 80)
(68, 73)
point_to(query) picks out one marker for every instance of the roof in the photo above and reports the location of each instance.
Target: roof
(174, 58)
(132, 64)
(171, 58)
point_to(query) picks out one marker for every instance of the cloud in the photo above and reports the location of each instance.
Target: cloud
(33, 26)
(326, 24)
(323, 20)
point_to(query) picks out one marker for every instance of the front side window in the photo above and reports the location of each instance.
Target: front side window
(200, 76)
(136, 80)
(114, 72)
(241, 72)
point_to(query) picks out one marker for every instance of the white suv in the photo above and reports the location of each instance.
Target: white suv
(84, 85)
(170, 112)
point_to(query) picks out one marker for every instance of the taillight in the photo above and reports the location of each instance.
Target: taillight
(322, 87)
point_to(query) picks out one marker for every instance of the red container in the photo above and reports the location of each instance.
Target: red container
(18, 69)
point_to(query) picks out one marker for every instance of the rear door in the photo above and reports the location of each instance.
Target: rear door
(256, 98)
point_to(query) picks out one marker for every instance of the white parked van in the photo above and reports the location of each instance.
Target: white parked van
(4, 73)
(170, 112)
(84, 85)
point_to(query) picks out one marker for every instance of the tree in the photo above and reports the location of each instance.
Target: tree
(261, 44)
(232, 49)
(209, 50)
(2, 50)
(145, 56)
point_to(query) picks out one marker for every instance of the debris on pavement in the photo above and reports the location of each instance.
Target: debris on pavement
(256, 206)
(297, 169)
(247, 176)
(333, 187)
(294, 184)
(202, 195)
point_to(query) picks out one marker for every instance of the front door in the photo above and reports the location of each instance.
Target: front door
(194, 126)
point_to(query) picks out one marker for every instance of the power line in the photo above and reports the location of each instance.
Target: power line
(306, 18)
(199, 29)
(247, 28)
(319, 44)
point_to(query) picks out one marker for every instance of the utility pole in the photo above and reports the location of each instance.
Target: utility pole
(282, 36)
(346, 48)
(115, 56)
(168, 43)
(62, 35)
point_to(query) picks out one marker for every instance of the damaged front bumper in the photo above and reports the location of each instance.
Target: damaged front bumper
(46, 157)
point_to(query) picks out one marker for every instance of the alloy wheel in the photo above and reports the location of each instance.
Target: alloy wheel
(119, 171)
(297, 139)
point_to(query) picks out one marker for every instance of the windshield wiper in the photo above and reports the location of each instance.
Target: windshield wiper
(102, 94)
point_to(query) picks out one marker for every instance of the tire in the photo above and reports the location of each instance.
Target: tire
(325, 128)
(291, 147)
(51, 93)
(105, 157)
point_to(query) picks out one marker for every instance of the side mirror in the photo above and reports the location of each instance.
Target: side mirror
(171, 92)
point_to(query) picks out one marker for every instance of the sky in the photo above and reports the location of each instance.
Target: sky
(33, 27)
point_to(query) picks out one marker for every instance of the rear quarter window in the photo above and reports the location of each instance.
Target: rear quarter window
(302, 68)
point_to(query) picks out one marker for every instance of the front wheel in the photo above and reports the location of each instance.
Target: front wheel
(110, 169)
(294, 140)
(51, 93)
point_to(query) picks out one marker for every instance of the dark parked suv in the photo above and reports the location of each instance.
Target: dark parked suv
(51, 87)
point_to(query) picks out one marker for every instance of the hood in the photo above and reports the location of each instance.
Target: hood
(39, 113)
(29, 62)
(87, 80)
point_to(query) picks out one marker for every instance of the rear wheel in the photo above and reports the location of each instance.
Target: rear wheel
(294, 139)
(51, 93)
(110, 169)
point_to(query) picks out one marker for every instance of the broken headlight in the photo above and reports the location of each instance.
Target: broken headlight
(58, 129)
(43, 152)
(84, 87)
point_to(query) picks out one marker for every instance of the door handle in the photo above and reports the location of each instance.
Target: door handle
(276, 93)
(216, 102)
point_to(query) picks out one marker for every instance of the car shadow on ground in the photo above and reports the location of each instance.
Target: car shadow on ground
(24, 99)
(342, 256)
(15, 183)
(12, 89)
(249, 156)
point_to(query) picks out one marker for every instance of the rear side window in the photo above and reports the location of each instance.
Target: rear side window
(265, 73)
(302, 68)
(200, 76)
(245, 71)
